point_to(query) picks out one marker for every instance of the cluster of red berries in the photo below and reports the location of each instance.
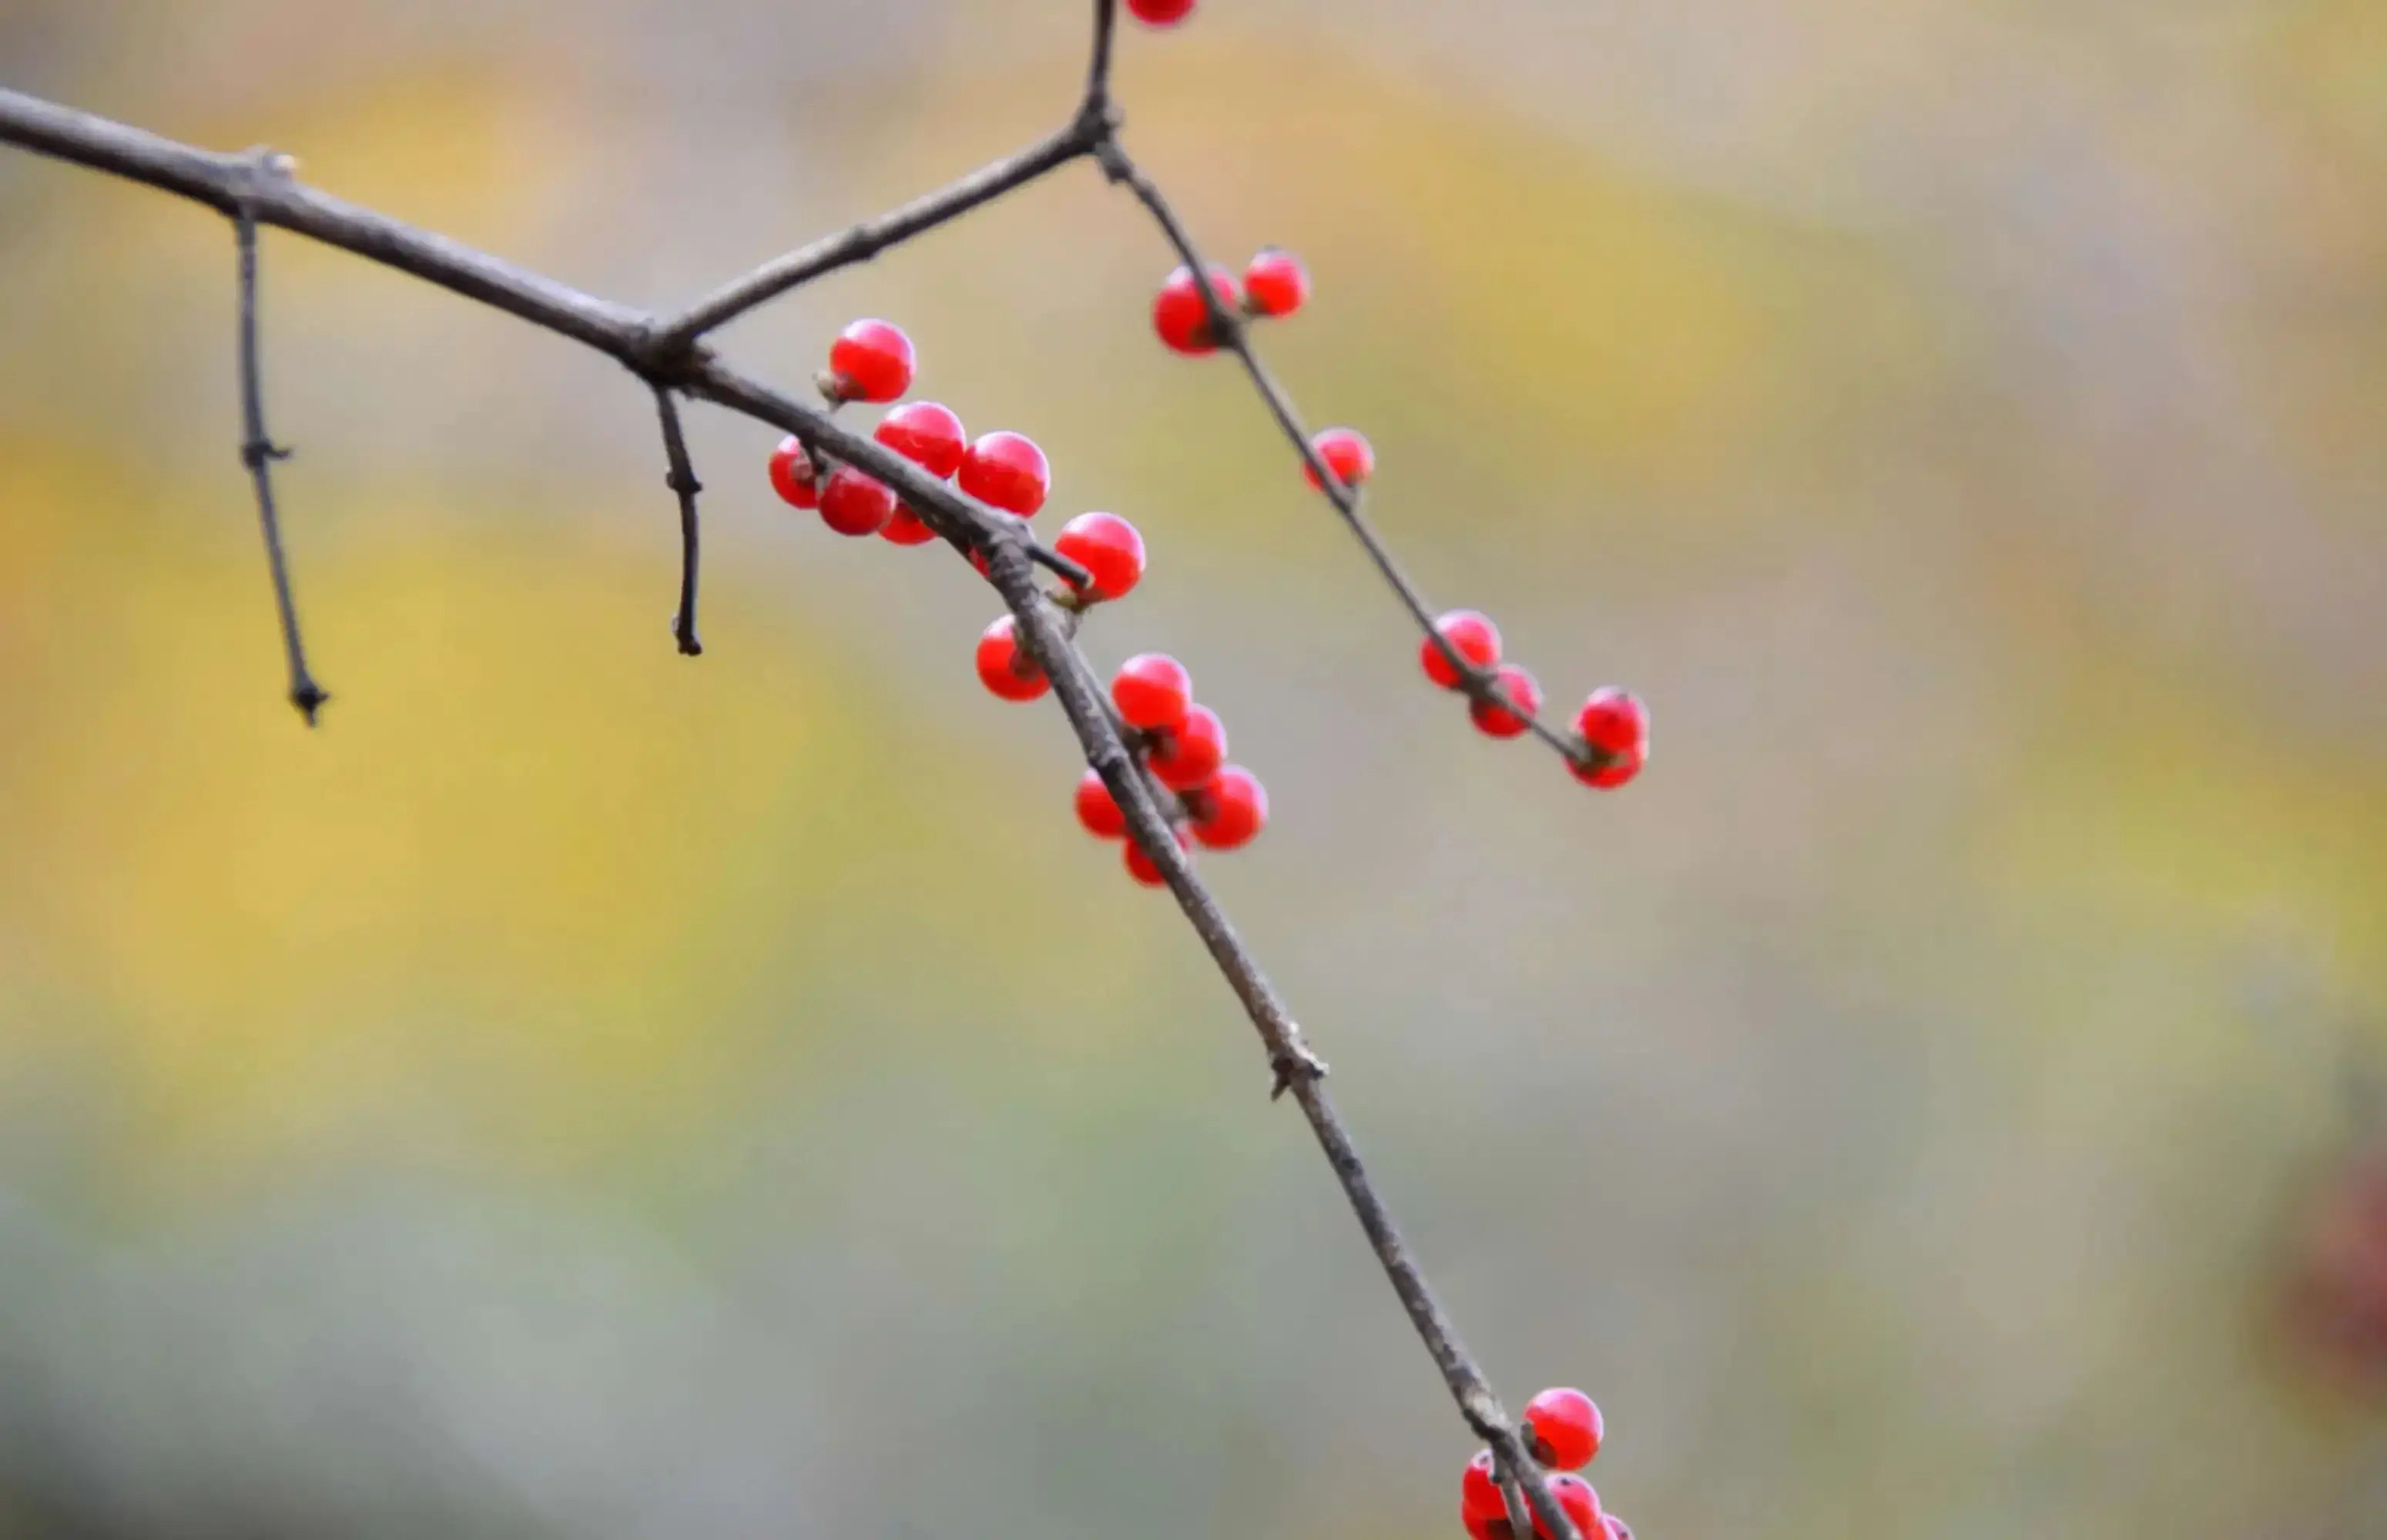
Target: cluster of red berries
(1183, 746)
(1613, 726)
(1275, 284)
(1562, 1431)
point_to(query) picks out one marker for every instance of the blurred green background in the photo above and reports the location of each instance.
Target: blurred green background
(585, 1092)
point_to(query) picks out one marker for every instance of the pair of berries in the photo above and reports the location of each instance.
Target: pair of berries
(1562, 1431)
(1275, 283)
(872, 361)
(1613, 726)
(1184, 746)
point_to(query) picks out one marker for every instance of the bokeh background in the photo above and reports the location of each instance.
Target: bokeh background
(583, 1092)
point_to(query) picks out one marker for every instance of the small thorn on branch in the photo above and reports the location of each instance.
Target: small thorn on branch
(1294, 1062)
(258, 452)
(681, 479)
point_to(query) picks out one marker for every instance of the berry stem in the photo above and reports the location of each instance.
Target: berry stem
(682, 481)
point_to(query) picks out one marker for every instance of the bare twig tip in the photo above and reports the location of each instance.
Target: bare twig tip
(309, 698)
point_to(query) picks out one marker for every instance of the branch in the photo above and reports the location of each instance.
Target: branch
(682, 480)
(258, 451)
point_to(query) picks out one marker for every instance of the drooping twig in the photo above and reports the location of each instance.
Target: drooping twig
(682, 481)
(638, 342)
(258, 451)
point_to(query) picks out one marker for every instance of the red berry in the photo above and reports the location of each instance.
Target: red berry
(1347, 453)
(1275, 283)
(1563, 1428)
(792, 474)
(1580, 1504)
(1004, 667)
(907, 528)
(871, 361)
(1110, 550)
(1617, 1528)
(1160, 13)
(1008, 471)
(1523, 689)
(1151, 689)
(1098, 810)
(1143, 868)
(1479, 1490)
(926, 434)
(852, 503)
(1180, 318)
(1230, 811)
(1486, 1529)
(1190, 753)
(1615, 728)
(1474, 636)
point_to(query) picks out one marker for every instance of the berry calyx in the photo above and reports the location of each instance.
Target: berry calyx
(1563, 1428)
(1522, 687)
(852, 503)
(1151, 689)
(1275, 283)
(1004, 667)
(1479, 1490)
(927, 434)
(1098, 810)
(1160, 13)
(1615, 731)
(1008, 471)
(1180, 318)
(1143, 868)
(1475, 637)
(870, 360)
(1347, 453)
(1190, 753)
(1109, 549)
(1230, 811)
(793, 476)
(1579, 1503)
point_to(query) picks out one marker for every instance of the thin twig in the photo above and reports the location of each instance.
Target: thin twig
(631, 337)
(682, 481)
(1098, 68)
(258, 451)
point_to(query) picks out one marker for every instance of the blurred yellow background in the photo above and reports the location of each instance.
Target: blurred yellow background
(583, 1090)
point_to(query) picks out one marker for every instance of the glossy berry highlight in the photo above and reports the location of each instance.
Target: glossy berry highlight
(1004, 667)
(927, 434)
(1472, 635)
(1347, 453)
(1190, 753)
(1521, 688)
(1275, 283)
(1109, 549)
(852, 503)
(1151, 689)
(793, 476)
(1160, 13)
(1563, 1428)
(1230, 811)
(1180, 318)
(1098, 810)
(1479, 1491)
(870, 360)
(1008, 471)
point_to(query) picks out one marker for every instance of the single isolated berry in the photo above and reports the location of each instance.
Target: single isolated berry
(1347, 453)
(1230, 811)
(1522, 687)
(1275, 283)
(1580, 1504)
(1008, 471)
(1190, 753)
(927, 434)
(852, 503)
(1615, 729)
(1564, 1429)
(870, 360)
(1180, 318)
(792, 476)
(1160, 13)
(1098, 810)
(1479, 1491)
(1004, 667)
(1151, 689)
(1143, 868)
(1472, 635)
(1110, 550)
